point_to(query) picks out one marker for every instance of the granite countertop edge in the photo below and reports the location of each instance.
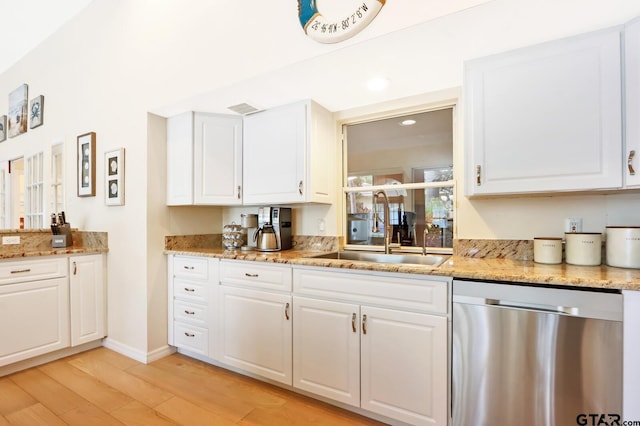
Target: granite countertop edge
(53, 252)
(507, 270)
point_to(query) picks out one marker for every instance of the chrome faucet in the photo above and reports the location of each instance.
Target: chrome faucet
(424, 239)
(386, 221)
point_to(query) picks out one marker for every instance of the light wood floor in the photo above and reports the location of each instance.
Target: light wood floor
(103, 387)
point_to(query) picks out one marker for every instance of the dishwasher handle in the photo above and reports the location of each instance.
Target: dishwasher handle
(567, 310)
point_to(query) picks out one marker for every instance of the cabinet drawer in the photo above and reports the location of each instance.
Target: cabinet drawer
(190, 312)
(190, 290)
(194, 268)
(272, 277)
(192, 338)
(427, 294)
(32, 270)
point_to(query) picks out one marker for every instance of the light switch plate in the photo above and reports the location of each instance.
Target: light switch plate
(14, 239)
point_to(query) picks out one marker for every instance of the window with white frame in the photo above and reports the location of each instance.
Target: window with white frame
(34, 192)
(57, 178)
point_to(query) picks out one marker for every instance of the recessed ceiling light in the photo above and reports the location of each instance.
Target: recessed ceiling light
(377, 83)
(407, 122)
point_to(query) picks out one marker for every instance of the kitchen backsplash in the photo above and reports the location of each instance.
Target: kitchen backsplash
(300, 242)
(34, 240)
(494, 249)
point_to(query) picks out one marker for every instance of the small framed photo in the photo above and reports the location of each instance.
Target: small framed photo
(36, 112)
(87, 165)
(18, 111)
(114, 177)
(3, 128)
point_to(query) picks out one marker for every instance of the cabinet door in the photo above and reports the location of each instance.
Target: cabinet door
(274, 155)
(87, 297)
(546, 117)
(319, 325)
(631, 162)
(404, 365)
(255, 332)
(217, 159)
(34, 319)
(180, 159)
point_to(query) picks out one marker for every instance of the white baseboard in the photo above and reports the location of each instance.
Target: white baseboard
(138, 355)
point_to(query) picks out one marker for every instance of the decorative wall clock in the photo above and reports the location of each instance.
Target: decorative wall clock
(322, 30)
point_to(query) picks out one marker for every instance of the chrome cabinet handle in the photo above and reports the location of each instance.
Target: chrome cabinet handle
(75, 268)
(300, 187)
(364, 324)
(189, 268)
(239, 191)
(189, 334)
(246, 274)
(478, 175)
(21, 271)
(190, 290)
(189, 312)
(632, 154)
(286, 311)
(353, 322)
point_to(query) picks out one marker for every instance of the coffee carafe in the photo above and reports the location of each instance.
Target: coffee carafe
(274, 229)
(265, 238)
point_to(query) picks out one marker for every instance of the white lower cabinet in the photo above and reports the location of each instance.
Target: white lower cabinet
(87, 298)
(193, 290)
(50, 303)
(404, 365)
(386, 360)
(374, 341)
(34, 319)
(326, 356)
(255, 332)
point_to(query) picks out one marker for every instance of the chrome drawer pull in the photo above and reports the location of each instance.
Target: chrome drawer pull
(189, 312)
(21, 271)
(246, 274)
(632, 154)
(189, 334)
(189, 268)
(190, 290)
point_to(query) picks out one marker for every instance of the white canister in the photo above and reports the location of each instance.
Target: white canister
(623, 246)
(583, 248)
(547, 250)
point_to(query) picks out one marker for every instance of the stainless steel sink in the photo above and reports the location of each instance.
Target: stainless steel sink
(411, 259)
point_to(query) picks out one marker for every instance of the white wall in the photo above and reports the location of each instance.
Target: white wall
(120, 59)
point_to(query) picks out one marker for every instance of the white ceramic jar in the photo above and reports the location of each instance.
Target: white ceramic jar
(623, 246)
(547, 250)
(583, 248)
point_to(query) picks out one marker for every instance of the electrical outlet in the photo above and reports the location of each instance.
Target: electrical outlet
(573, 224)
(15, 239)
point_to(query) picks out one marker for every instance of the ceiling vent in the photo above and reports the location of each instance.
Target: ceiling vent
(244, 109)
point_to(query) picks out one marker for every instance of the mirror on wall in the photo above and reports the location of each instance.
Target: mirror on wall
(412, 156)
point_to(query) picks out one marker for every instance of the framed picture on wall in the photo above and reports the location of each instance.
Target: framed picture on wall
(114, 177)
(3, 128)
(36, 112)
(87, 165)
(18, 111)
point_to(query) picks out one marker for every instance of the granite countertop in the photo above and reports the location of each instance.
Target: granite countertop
(525, 271)
(37, 242)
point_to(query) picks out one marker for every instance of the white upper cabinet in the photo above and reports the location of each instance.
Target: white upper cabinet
(289, 155)
(631, 160)
(545, 118)
(204, 159)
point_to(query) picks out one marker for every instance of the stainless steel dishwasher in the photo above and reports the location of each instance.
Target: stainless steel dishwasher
(532, 355)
